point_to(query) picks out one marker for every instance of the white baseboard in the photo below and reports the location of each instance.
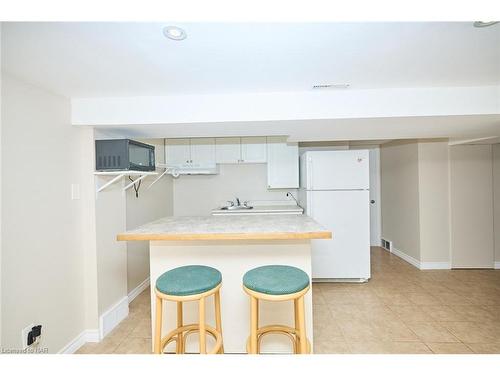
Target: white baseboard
(421, 265)
(92, 335)
(497, 265)
(138, 290)
(107, 321)
(405, 257)
(112, 317)
(89, 335)
(435, 265)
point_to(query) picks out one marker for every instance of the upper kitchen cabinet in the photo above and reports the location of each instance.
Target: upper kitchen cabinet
(282, 164)
(227, 150)
(178, 152)
(233, 150)
(202, 151)
(190, 152)
(253, 150)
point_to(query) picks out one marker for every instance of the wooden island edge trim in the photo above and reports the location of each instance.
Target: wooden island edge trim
(222, 236)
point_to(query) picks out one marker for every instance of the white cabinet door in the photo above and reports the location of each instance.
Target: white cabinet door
(178, 152)
(227, 150)
(253, 150)
(282, 164)
(202, 151)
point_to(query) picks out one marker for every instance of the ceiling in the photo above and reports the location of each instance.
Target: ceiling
(135, 59)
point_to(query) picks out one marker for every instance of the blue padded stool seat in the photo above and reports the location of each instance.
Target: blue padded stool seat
(276, 279)
(188, 280)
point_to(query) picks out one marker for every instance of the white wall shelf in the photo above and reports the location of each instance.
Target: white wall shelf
(118, 175)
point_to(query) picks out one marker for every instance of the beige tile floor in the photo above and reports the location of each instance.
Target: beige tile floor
(400, 310)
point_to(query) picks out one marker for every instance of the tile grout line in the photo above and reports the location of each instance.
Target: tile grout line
(340, 329)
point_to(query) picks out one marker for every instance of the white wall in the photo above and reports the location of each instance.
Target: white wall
(471, 202)
(301, 105)
(42, 255)
(496, 200)
(450, 190)
(89, 238)
(111, 254)
(151, 204)
(198, 194)
(0, 184)
(433, 186)
(400, 196)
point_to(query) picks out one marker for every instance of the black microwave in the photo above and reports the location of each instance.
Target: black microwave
(124, 155)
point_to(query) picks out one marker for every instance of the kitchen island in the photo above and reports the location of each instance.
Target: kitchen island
(233, 245)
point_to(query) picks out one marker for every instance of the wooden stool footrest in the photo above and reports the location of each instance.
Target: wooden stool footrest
(188, 329)
(290, 332)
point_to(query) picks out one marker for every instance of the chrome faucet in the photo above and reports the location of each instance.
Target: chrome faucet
(236, 205)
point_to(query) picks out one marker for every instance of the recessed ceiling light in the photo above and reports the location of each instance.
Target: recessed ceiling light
(484, 24)
(331, 86)
(174, 33)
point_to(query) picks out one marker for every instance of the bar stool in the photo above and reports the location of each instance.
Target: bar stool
(182, 284)
(277, 283)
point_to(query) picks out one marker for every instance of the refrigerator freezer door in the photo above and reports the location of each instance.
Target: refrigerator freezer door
(337, 170)
(347, 215)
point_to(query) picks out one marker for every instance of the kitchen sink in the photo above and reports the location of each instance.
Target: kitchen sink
(231, 208)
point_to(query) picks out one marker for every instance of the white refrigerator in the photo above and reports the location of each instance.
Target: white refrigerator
(334, 190)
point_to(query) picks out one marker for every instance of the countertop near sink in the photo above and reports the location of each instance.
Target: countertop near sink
(263, 210)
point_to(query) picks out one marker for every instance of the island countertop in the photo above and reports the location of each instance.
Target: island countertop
(231, 227)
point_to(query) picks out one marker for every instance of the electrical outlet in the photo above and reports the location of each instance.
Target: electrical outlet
(31, 335)
(24, 335)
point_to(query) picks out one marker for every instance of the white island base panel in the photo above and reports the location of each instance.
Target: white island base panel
(232, 259)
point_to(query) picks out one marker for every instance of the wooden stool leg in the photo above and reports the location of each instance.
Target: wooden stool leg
(218, 319)
(179, 349)
(158, 321)
(297, 327)
(257, 322)
(253, 324)
(302, 325)
(201, 318)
